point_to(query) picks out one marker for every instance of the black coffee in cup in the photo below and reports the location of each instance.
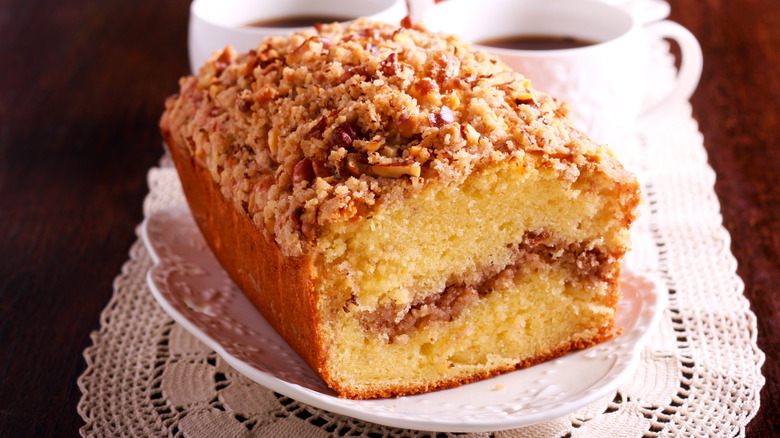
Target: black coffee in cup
(298, 20)
(537, 42)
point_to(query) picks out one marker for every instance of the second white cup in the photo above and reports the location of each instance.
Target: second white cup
(606, 81)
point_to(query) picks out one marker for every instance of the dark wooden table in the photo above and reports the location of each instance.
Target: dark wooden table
(82, 85)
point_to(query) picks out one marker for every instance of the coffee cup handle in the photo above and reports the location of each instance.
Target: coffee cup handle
(689, 73)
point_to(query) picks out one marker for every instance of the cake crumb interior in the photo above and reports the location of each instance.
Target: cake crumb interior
(420, 275)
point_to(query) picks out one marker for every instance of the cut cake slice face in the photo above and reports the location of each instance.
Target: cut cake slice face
(461, 282)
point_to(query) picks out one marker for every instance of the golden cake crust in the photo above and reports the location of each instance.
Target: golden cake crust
(280, 287)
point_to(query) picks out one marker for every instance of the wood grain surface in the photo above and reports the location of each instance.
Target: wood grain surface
(82, 85)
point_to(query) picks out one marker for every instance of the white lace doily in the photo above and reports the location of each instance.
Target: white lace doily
(699, 376)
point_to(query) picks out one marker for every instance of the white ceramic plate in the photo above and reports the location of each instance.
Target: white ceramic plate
(193, 288)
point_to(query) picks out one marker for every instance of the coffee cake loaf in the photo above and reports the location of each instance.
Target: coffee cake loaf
(409, 214)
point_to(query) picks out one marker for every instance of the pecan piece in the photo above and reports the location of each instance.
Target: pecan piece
(526, 98)
(299, 54)
(321, 168)
(358, 71)
(224, 59)
(266, 93)
(344, 135)
(443, 117)
(318, 128)
(326, 43)
(265, 59)
(390, 65)
(244, 101)
(250, 65)
(303, 171)
(406, 126)
(372, 49)
(244, 105)
(425, 86)
(372, 33)
(396, 170)
(357, 165)
(273, 142)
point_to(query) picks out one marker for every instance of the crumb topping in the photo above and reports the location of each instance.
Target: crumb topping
(334, 122)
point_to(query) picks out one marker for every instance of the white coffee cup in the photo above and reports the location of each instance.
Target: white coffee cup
(217, 23)
(645, 11)
(606, 83)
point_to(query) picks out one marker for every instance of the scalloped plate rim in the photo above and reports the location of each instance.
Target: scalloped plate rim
(652, 307)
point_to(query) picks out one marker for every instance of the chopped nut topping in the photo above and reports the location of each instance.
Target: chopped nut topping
(318, 128)
(406, 126)
(425, 86)
(266, 93)
(358, 71)
(344, 135)
(443, 117)
(245, 101)
(390, 65)
(224, 59)
(321, 170)
(372, 33)
(273, 142)
(356, 165)
(303, 171)
(396, 170)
